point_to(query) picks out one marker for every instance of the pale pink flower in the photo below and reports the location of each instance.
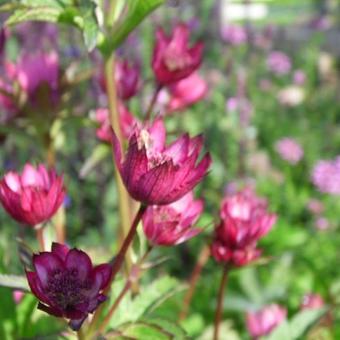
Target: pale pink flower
(289, 150)
(322, 223)
(299, 77)
(278, 63)
(234, 34)
(315, 206)
(312, 301)
(326, 176)
(264, 321)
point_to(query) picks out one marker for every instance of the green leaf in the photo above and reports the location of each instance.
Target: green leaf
(35, 13)
(155, 329)
(132, 310)
(282, 332)
(137, 10)
(301, 322)
(14, 282)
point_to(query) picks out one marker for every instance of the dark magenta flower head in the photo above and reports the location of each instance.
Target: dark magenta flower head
(33, 196)
(67, 284)
(173, 59)
(156, 174)
(244, 220)
(168, 225)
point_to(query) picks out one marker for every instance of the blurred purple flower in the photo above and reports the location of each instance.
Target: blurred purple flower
(322, 223)
(315, 206)
(234, 34)
(326, 176)
(278, 63)
(299, 77)
(289, 150)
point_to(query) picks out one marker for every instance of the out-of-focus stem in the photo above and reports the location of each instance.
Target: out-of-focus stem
(202, 260)
(81, 335)
(123, 197)
(220, 298)
(153, 102)
(40, 237)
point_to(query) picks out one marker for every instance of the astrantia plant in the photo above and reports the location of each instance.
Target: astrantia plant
(139, 176)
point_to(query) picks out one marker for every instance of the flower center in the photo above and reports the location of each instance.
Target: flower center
(175, 59)
(65, 289)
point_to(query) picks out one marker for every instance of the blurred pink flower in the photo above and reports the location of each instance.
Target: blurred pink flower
(173, 59)
(187, 92)
(244, 220)
(171, 224)
(278, 63)
(18, 295)
(32, 71)
(326, 176)
(234, 34)
(264, 321)
(322, 223)
(315, 206)
(312, 301)
(289, 150)
(128, 123)
(299, 77)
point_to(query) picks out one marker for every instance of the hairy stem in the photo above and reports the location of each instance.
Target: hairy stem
(220, 298)
(202, 260)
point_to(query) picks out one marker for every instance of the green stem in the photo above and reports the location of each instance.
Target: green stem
(40, 237)
(153, 102)
(220, 298)
(124, 203)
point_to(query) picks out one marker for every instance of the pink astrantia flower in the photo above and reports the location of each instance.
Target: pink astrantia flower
(32, 197)
(264, 321)
(244, 220)
(289, 150)
(322, 223)
(326, 176)
(315, 206)
(312, 301)
(234, 34)
(278, 63)
(67, 284)
(33, 71)
(156, 174)
(173, 60)
(127, 76)
(187, 92)
(128, 123)
(171, 224)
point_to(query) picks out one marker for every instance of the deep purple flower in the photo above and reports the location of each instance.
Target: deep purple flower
(32, 197)
(244, 220)
(264, 321)
(173, 60)
(156, 174)
(67, 284)
(171, 224)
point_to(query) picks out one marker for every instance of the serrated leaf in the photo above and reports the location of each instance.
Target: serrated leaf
(36, 13)
(137, 10)
(301, 322)
(14, 282)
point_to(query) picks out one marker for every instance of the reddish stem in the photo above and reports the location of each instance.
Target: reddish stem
(153, 102)
(40, 237)
(220, 298)
(202, 260)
